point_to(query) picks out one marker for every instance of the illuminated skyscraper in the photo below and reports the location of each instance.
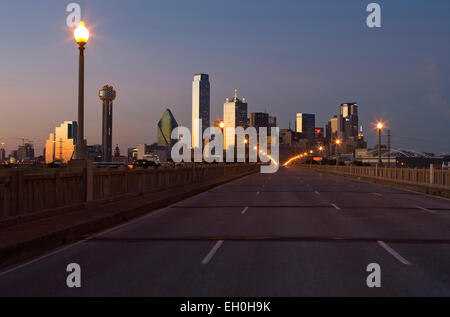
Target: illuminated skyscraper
(234, 115)
(200, 107)
(165, 127)
(107, 94)
(61, 144)
(349, 114)
(306, 124)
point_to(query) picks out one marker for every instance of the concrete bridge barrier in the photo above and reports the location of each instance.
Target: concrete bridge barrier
(23, 195)
(430, 181)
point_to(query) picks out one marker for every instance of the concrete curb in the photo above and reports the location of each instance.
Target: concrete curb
(35, 246)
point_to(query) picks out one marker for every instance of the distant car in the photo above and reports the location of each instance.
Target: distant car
(146, 164)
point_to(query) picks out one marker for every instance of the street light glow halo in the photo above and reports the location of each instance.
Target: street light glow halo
(81, 33)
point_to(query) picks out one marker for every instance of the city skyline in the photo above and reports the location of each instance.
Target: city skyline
(413, 101)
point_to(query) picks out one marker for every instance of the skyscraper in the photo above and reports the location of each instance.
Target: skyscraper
(337, 127)
(61, 144)
(107, 94)
(200, 107)
(165, 127)
(259, 119)
(306, 123)
(25, 152)
(349, 114)
(234, 115)
(272, 122)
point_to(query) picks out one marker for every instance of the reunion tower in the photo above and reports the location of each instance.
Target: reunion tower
(107, 94)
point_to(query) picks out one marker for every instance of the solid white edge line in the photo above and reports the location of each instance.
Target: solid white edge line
(211, 253)
(393, 253)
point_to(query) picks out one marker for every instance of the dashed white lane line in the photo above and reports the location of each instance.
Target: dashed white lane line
(258, 192)
(213, 251)
(335, 207)
(245, 210)
(394, 253)
(427, 210)
(378, 194)
(317, 193)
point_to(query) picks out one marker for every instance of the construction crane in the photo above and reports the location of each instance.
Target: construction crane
(24, 140)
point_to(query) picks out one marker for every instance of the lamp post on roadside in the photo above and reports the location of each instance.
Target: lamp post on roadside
(338, 142)
(379, 127)
(81, 36)
(321, 154)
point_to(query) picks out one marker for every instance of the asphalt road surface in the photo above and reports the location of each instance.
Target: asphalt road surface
(294, 233)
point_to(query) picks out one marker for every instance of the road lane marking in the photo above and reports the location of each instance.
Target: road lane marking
(335, 206)
(378, 194)
(258, 192)
(245, 210)
(393, 253)
(213, 251)
(317, 193)
(427, 210)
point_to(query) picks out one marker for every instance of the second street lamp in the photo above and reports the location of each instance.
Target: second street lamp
(338, 142)
(379, 127)
(81, 36)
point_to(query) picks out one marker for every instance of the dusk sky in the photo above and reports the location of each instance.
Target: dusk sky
(285, 57)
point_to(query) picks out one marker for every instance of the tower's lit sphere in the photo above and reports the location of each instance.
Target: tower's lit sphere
(107, 93)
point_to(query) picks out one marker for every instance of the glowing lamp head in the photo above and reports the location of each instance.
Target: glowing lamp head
(338, 141)
(379, 126)
(321, 148)
(245, 141)
(81, 33)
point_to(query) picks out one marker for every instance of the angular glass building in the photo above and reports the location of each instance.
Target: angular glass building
(165, 127)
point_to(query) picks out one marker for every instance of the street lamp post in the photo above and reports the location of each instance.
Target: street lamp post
(321, 154)
(379, 127)
(338, 142)
(81, 36)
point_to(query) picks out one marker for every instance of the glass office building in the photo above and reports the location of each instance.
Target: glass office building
(61, 144)
(200, 107)
(306, 124)
(165, 127)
